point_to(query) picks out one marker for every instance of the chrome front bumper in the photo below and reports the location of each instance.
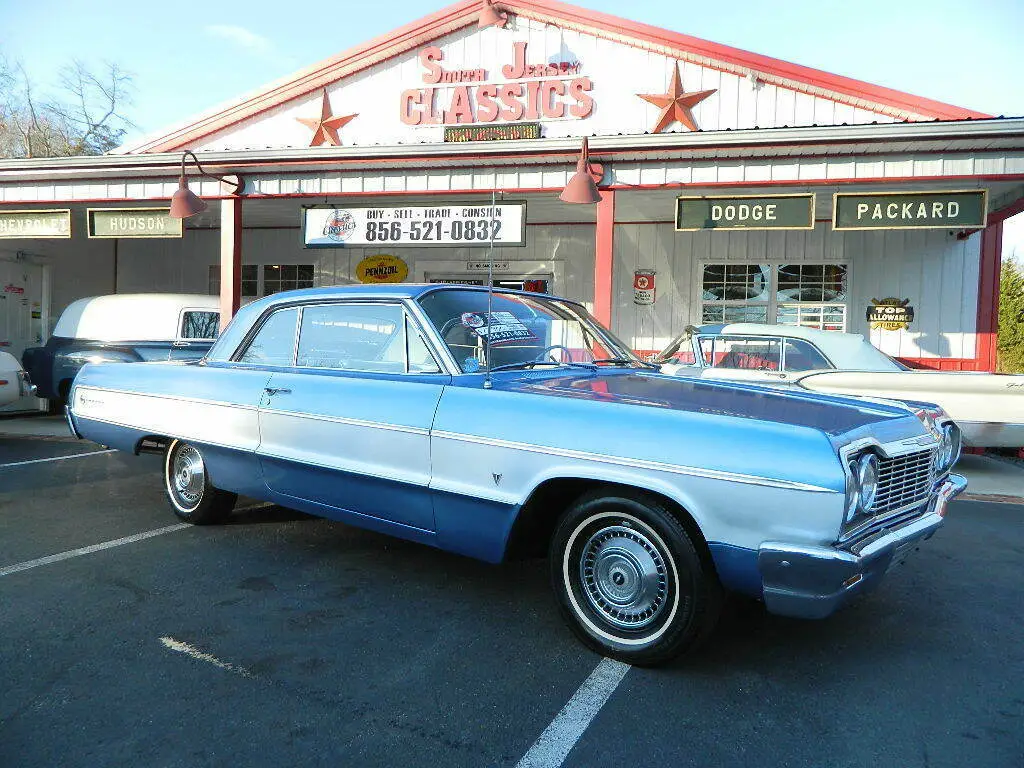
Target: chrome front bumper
(811, 582)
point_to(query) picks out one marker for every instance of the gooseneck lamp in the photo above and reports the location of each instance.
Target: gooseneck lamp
(185, 202)
(582, 187)
(490, 16)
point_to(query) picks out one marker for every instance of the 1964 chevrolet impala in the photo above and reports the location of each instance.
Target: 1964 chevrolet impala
(374, 405)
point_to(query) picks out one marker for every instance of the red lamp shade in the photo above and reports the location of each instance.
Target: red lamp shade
(582, 188)
(490, 17)
(185, 202)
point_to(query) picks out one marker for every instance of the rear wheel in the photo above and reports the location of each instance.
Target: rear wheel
(630, 581)
(189, 490)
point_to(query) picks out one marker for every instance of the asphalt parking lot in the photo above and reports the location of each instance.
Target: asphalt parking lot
(281, 639)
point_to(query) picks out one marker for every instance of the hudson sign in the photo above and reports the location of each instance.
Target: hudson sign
(527, 90)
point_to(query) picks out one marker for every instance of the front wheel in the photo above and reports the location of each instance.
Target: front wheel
(630, 581)
(189, 490)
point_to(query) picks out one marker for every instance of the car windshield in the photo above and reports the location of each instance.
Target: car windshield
(523, 331)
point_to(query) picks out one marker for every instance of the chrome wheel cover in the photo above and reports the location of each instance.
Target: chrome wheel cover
(187, 477)
(624, 576)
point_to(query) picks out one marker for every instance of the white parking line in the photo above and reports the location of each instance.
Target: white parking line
(8, 570)
(558, 739)
(195, 653)
(55, 458)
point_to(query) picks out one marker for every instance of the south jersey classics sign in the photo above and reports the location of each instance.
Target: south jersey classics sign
(465, 224)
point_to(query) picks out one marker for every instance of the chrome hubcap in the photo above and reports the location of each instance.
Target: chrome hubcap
(188, 476)
(624, 576)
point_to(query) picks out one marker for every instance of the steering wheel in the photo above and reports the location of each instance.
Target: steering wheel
(544, 353)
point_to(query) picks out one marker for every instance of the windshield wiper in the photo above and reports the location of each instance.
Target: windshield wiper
(625, 361)
(532, 363)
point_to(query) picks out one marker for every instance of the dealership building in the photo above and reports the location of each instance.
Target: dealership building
(732, 187)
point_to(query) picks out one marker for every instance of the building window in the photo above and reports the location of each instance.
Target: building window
(810, 295)
(250, 277)
(286, 277)
(736, 293)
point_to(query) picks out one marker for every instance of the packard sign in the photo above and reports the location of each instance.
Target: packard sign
(745, 212)
(910, 210)
(464, 225)
(890, 314)
(35, 224)
(133, 223)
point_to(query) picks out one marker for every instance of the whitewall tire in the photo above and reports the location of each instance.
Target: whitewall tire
(629, 579)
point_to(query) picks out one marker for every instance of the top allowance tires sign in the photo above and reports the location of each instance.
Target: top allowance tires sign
(460, 224)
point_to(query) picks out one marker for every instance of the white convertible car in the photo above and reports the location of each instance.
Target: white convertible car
(988, 407)
(14, 382)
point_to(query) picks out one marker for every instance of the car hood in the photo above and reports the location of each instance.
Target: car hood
(828, 413)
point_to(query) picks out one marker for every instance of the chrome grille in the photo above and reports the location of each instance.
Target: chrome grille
(903, 481)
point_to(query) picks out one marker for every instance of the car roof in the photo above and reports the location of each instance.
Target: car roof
(391, 291)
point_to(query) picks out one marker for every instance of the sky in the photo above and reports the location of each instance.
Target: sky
(188, 56)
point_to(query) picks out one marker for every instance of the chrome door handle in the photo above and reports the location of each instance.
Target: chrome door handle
(276, 391)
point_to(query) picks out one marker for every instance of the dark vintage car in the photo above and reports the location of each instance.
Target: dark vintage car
(122, 328)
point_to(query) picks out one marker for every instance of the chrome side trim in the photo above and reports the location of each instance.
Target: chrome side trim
(655, 466)
(350, 422)
(200, 400)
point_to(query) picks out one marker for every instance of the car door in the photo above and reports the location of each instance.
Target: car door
(348, 427)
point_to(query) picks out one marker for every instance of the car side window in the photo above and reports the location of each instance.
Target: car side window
(803, 356)
(750, 353)
(274, 342)
(197, 324)
(361, 337)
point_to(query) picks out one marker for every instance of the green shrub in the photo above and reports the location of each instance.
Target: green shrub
(1011, 318)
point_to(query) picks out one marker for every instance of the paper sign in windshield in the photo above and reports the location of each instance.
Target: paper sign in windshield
(503, 328)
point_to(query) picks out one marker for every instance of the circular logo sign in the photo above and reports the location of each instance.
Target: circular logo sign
(382, 269)
(339, 225)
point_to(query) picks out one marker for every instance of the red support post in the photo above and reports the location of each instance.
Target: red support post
(988, 296)
(230, 258)
(604, 257)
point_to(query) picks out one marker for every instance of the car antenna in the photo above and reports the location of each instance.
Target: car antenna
(490, 299)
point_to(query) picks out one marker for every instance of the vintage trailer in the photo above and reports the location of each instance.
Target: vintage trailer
(492, 424)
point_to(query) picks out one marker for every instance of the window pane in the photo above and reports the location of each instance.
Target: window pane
(249, 273)
(360, 337)
(746, 353)
(802, 356)
(200, 325)
(420, 359)
(274, 343)
(811, 282)
(745, 314)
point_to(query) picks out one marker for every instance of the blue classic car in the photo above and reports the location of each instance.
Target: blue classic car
(496, 425)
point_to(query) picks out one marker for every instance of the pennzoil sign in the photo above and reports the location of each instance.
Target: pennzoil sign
(890, 314)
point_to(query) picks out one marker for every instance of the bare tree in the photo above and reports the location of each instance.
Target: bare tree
(84, 117)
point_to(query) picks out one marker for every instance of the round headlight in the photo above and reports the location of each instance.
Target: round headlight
(867, 480)
(852, 493)
(949, 451)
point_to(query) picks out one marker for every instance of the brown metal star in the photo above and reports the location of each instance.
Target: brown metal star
(675, 105)
(325, 128)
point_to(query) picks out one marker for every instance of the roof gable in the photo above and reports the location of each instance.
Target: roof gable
(616, 76)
